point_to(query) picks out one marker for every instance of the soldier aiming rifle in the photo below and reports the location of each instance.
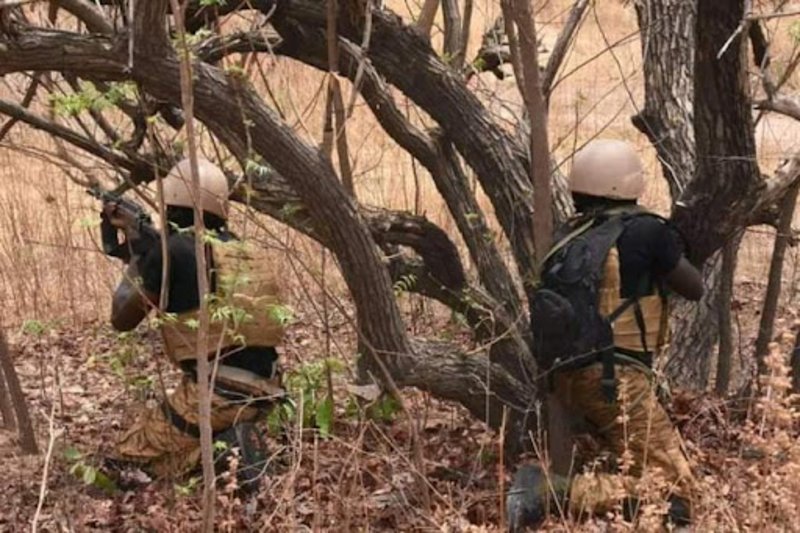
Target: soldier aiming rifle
(164, 441)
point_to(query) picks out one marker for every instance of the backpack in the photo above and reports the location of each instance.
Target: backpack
(568, 330)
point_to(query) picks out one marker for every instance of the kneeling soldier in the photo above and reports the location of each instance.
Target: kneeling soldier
(242, 335)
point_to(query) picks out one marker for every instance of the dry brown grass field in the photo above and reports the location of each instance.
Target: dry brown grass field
(82, 380)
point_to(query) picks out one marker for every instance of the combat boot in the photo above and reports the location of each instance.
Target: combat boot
(252, 455)
(527, 501)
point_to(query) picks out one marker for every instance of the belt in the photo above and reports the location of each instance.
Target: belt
(609, 359)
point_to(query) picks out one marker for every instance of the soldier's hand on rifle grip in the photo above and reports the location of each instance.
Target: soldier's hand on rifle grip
(109, 230)
(111, 214)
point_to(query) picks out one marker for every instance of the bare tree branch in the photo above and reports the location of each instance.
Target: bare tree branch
(784, 105)
(26, 101)
(563, 43)
(131, 162)
(426, 17)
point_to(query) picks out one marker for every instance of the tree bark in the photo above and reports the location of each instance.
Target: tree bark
(6, 407)
(795, 363)
(668, 58)
(695, 331)
(27, 437)
(558, 420)
(691, 95)
(774, 283)
(727, 180)
(498, 160)
(452, 31)
(725, 352)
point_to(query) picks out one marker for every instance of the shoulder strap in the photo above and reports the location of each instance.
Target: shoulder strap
(569, 237)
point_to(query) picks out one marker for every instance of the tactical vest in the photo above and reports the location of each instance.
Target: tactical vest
(627, 334)
(244, 310)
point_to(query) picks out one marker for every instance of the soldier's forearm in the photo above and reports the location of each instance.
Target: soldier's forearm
(129, 306)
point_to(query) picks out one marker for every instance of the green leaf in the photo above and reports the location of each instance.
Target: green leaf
(281, 416)
(71, 454)
(89, 475)
(324, 417)
(34, 327)
(220, 446)
(282, 314)
(384, 409)
(104, 483)
(186, 489)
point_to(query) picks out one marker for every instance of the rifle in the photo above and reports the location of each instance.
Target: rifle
(140, 235)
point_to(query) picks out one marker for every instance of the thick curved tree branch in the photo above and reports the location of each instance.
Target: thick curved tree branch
(499, 161)
(86, 12)
(435, 154)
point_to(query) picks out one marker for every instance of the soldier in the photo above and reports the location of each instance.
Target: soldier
(165, 440)
(599, 317)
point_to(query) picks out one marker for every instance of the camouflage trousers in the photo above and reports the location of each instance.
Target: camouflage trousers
(636, 428)
(165, 439)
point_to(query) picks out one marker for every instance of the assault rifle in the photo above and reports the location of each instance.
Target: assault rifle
(131, 219)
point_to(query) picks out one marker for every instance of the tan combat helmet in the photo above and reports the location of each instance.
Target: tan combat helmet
(213, 187)
(608, 169)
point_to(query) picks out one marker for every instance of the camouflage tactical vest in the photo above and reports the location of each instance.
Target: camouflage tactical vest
(244, 310)
(626, 331)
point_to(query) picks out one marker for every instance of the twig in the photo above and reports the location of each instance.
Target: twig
(565, 38)
(734, 35)
(45, 469)
(501, 470)
(26, 101)
(15, 3)
(202, 366)
(62, 132)
(766, 16)
(362, 59)
(465, 31)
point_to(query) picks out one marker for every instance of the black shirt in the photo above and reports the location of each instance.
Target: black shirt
(184, 295)
(649, 249)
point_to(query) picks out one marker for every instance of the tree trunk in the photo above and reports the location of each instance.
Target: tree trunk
(668, 54)
(558, 420)
(697, 115)
(774, 284)
(725, 352)
(796, 366)
(727, 183)
(695, 332)
(6, 408)
(452, 30)
(668, 57)
(27, 437)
